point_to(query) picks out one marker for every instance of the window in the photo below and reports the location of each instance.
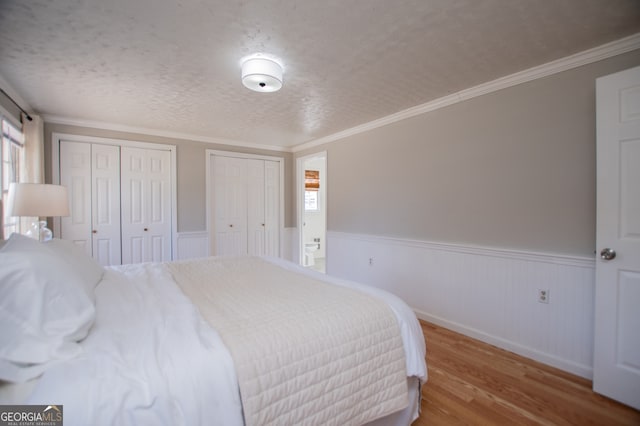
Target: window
(311, 187)
(10, 156)
(311, 201)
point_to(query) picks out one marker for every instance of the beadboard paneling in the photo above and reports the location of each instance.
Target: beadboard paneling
(192, 245)
(489, 294)
(290, 245)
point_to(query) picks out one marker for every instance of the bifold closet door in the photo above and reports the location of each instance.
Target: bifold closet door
(146, 205)
(246, 206)
(230, 205)
(272, 208)
(263, 207)
(255, 207)
(91, 173)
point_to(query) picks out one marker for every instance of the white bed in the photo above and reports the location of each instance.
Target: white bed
(130, 347)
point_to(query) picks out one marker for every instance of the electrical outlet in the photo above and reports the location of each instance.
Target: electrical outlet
(371, 261)
(543, 295)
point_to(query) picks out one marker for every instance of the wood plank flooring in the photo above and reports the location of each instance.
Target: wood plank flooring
(473, 383)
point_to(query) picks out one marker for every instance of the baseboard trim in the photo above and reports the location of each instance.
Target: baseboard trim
(584, 371)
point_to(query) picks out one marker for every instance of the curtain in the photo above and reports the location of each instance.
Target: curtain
(32, 160)
(32, 164)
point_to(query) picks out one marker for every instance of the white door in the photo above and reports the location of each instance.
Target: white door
(105, 204)
(75, 174)
(159, 205)
(617, 298)
(229, 205)
(91, 173)
(272, 208)
(255, 207)
(146, 205)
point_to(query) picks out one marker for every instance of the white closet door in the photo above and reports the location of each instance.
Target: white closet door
(245, 206)
(105, 203)
(75, 174)
(159, 205)
(255, 207)
(91, 173)
(230, 205)
(272, 208)
(146, 205)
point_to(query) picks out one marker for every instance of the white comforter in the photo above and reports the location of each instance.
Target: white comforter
(151, 359)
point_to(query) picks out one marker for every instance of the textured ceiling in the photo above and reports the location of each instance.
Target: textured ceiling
(174, 66)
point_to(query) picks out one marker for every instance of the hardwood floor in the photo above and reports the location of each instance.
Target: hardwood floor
(473, 383)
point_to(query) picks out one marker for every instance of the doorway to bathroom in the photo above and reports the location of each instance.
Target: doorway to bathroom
(312, 210)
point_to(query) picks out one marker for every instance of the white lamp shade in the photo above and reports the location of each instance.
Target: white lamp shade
(37, 199)
(262, 75)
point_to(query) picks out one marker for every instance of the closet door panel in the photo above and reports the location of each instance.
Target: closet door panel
(230, 206)
(105, 204)
(75, 174)
(255, 207)
(272, 208)
(134, 249)
(133, 205)
(158, 220)
(146, 205)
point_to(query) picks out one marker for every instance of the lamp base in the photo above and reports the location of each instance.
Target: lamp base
(39, 231)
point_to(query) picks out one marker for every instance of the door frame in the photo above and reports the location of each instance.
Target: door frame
(300, 203)
(55, 172)
(210, 220)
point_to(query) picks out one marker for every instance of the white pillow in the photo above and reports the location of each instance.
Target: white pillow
(89, 271)
(44, 308)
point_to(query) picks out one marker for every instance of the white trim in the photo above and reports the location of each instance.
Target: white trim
(300, 198)
(161, 133)
(529, 256)
(599, 53)
(581, 370)
(209, 192)
(55, 171)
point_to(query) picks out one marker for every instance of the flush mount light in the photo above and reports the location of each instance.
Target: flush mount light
(262, 74)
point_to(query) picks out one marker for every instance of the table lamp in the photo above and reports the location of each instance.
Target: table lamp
(41, 200)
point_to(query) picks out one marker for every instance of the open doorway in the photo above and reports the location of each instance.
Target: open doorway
(312, 210)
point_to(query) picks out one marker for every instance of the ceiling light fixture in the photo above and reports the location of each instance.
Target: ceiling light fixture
(261, 74)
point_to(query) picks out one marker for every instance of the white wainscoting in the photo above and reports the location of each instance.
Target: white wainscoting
(290, 245)
(489, 294)
(195, 244)
(192, 245)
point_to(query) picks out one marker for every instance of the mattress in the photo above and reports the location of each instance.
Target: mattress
(152, 358)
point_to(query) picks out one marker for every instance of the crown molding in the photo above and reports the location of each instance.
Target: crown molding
(160, 133)
(604, 51)
(595, 54)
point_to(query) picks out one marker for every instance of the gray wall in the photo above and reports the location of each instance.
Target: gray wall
(9, 107)
(512, 169)
(190, 169)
